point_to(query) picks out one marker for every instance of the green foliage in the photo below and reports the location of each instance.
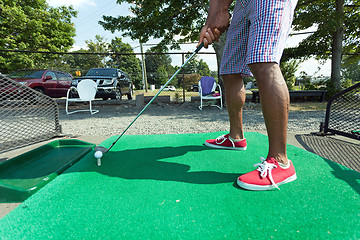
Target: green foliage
(33, 25)
(346, 83)
(203, 68)
(214, 74)
(322, 15)
(160, 19)
(98, 46)
(351, 68)
(161, 75)
(324, 83)
(288, 70)
(158, 66)
(191, 79)
(305, 81)
(81, 61)
(128, 63)
(336, 24)
(197, 66)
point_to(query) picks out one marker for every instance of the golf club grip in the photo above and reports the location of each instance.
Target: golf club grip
(161, 89)
(199, 47)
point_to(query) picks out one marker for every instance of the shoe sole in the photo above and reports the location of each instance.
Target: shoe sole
(222, 147)
(254, 187)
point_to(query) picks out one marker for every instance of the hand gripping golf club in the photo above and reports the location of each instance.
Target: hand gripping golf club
(99, 150)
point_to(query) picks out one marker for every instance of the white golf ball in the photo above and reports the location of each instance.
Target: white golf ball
(98, 154)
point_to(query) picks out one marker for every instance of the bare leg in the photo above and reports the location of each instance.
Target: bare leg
(235, 99)
(274, 97)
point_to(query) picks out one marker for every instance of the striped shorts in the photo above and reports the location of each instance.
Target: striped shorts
(257, 33)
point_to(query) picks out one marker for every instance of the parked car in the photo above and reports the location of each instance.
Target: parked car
(169, 88)
(111, 83)
(50, 82)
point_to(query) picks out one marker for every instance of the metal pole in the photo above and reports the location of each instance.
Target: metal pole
(143, 65)
(183, 78)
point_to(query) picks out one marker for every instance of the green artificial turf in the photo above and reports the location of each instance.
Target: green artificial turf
(174, 187)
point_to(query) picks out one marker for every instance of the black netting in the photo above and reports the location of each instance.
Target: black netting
(343, 113)
(26, 116)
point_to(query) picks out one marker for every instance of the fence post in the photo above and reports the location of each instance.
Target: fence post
(183, 77)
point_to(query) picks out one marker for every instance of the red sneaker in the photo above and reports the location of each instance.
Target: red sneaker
(226, 143)
(267, 176)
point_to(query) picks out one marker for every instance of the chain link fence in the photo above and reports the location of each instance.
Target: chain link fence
(26, 116)
(343, 113)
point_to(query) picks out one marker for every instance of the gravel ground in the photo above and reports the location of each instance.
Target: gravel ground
(162, 118)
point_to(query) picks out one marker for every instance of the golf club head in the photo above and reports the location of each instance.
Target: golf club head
(101, 149)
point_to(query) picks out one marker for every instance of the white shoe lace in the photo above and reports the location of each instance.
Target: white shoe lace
(265, 169)
(222, 138)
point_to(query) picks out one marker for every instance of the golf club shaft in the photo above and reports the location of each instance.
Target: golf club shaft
(161, 89)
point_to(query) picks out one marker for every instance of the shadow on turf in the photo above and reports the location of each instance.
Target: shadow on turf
(154, 163)
(336, 153)
(351, 177)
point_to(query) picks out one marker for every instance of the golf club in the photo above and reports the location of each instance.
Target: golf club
(99, 150)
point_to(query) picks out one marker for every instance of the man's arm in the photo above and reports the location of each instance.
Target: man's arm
(217, 22)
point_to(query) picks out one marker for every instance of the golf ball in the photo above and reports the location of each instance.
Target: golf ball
(98, 154)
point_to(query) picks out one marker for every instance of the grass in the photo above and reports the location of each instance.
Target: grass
(163, 93)
(307, 106)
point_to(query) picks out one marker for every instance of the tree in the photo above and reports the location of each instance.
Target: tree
(156, 64)
(337, 23)
(81, 60)
(161, 75)
(98, 46)
(351, 69)
(163, 19)
(197, 66)
(128, 63)
(203, 68)
(33, 25)
(288, 70)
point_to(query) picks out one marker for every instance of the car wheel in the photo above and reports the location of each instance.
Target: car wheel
(130, 94)
(40, 90)
(38, 99)
(118, 93)
(195, 90)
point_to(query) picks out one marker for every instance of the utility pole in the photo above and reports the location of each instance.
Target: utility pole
(143, 65)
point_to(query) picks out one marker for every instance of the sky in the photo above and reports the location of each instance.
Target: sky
(91, 11)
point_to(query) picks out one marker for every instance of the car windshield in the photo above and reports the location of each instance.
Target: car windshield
(27, 74)
(102, 72)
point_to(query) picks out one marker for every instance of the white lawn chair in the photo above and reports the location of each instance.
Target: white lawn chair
(86, 90)
(207, 91)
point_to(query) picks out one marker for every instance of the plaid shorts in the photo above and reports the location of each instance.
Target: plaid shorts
(257, 33)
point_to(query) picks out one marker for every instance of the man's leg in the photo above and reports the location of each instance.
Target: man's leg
(274, 97)
(276, 169)
(235, 99)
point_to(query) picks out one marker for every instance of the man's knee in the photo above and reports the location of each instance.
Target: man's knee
(269, 71)
(233, 80)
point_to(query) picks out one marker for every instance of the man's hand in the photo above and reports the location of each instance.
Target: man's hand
(217, 22)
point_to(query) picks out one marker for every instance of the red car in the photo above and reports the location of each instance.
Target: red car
(50, 82)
